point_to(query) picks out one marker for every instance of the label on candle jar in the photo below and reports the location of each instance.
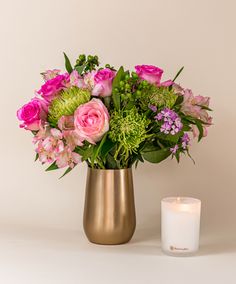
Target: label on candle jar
(180, 224)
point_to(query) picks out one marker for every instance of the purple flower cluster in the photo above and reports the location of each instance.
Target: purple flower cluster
(185, 140)
(172, 122)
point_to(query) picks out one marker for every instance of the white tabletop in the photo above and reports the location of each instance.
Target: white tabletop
(48, 256)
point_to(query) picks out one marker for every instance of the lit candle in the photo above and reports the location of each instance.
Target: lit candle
(180, 225)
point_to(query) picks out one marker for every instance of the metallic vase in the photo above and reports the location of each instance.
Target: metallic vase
(109, 212)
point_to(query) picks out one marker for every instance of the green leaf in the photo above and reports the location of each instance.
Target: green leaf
(107, 147)
(204, 107)
(86, 152)
(67, 63)
(200, 128)
(115, 84)
(156, 156)
(79, 68)
(36, 157)
(178, 73)
(97, 149)
(52, 167)
(110, 162)
(169, 137)
(179, 100)
(66, 172)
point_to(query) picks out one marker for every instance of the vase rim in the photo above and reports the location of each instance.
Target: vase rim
(105, 170)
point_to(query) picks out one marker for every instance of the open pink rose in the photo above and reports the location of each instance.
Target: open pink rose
(53, 86)
(32, 114)
(91, 120)
(151, 74)
(103, 82)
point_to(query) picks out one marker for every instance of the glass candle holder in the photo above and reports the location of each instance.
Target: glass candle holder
(180, 225)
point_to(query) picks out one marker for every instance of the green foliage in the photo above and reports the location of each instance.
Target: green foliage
(158, 96)
(156, 156)
(86, 63)
(66, 104)
(128, 129)
(52, 167)
(68, 66)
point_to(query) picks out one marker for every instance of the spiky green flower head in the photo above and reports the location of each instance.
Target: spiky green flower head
(158, 96)
(128, 129)
(66, 103)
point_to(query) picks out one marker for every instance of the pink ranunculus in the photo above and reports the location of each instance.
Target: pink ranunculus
(52, 87)
(50, 74)
(32, 114)
(91, 120)
(103, 82)
(67, 158)
(152, 75)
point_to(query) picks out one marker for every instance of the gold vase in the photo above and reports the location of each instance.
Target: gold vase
(109, 211)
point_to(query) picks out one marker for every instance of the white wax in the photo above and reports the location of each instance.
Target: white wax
(180, 225)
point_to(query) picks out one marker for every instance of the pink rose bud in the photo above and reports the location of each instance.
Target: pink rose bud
(103, 82)
(32, 114)
(150, 73)
(91, 120)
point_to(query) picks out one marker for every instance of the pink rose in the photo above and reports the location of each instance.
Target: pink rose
(32, 114)
(92, 120)
(53, 86)
(151, 74)
(103, 82)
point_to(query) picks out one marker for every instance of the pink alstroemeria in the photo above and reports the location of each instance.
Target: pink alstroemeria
(67, 158)
(50, 74)
(77, 80)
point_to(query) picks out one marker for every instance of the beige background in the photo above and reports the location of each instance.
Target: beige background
(197, 34)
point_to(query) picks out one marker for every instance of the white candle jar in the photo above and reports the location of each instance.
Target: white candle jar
(180, 225)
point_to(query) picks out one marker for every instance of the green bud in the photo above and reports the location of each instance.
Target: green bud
(122, 83)
(127, 77)
(90, 58)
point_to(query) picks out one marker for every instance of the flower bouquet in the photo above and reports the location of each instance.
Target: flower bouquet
(111, 119)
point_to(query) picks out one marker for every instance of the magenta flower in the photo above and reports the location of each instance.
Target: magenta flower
(32, 114)
(103, 82)
(151, 74)
(91, 120)
(52, 87)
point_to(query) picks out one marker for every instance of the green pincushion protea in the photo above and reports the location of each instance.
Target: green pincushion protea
(129, 129)
(67, 103)
(158, 96)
